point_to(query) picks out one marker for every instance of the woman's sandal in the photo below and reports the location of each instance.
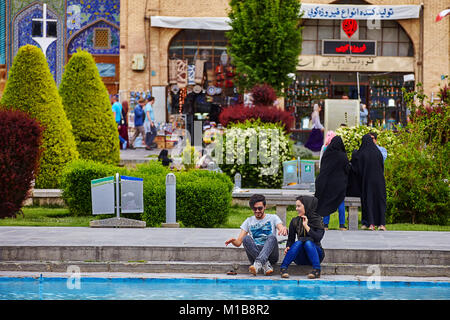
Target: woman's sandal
(231, 273)
(314, 274)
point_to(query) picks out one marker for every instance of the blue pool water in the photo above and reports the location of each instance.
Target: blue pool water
(214, 289)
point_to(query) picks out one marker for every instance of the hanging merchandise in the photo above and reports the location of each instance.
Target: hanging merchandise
(191, 74)
(224, 58)
(211, 90)
(172, 71)
(174, 88)
(199, 69)
(230, 71)
(219, 69)
(183, 93)
(182, 73)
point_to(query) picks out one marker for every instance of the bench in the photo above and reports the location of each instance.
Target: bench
(282, 199)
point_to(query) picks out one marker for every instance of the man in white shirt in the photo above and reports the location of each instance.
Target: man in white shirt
(258, 234)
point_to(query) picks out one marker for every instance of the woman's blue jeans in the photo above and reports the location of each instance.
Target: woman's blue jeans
(341, 210)
(303, 253)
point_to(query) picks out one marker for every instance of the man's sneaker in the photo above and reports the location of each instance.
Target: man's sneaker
(284, 273)
(268, 270)
(255, 268)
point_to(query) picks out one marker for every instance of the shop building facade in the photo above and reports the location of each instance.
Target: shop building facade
(136, 44)
(416, 47)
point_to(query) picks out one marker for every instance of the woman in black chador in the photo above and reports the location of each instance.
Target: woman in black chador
(367, 165)
(331, 183)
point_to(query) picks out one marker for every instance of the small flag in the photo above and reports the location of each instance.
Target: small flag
(442, 14)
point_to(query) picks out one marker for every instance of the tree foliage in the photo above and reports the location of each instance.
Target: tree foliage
(417, 175)
(86, 102)
(18, 164)
(265, 41)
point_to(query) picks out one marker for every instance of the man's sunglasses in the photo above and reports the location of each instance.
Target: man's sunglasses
(258, 208)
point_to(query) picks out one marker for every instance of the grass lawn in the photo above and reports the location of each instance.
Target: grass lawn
(239, 214)
(47, 217)
(60, 217)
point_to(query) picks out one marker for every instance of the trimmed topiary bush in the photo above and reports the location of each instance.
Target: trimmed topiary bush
(31, 88)
(86, 102)
(20, 149)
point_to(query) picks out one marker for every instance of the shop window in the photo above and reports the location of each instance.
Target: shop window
(101, 38)
(207, 44)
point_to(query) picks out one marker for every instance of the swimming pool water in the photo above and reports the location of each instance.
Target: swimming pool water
(215, 289)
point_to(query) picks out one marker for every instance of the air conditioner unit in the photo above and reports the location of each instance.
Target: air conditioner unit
(138, 62)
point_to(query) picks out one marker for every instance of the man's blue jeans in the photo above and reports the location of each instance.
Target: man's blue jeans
(303, 253)
(269, 251)
(341, 210)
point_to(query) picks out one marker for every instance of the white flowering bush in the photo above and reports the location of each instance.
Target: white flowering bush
(352, 137)
(257, 151)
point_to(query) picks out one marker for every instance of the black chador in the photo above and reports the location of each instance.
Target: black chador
(331, 183)
(368, 167)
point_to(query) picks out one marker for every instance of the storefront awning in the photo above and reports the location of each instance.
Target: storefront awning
(359, 12)
(205, 23)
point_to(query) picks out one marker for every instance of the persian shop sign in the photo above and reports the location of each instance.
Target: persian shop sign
(345, 47)
(359, 12)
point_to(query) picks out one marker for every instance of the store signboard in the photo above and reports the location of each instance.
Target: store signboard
(359, 12)
(366, 48)
(341, 111)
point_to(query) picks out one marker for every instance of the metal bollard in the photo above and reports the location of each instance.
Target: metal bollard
(237, 181)
(171, 202)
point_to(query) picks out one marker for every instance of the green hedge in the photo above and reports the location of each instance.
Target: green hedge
(203, 197)
(31, 88)
(86, 102)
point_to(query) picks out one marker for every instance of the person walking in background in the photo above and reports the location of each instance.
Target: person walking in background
(309, 230)
(363, 113)
(367, 162)
(139, 116)
(149, 124)
(331, 183)
(382, 149)
(315, 139)
(258, 234)
(117, 112)
(123, 128)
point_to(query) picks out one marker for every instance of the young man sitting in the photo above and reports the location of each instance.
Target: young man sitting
(258, 234)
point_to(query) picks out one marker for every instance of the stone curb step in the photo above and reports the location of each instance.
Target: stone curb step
(223, 267)
(199, 254)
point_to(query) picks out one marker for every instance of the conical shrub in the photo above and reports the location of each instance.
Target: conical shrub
(86, 102)
(31, 88)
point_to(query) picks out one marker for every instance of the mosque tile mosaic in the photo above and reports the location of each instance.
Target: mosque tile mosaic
(81, 13)
(76, 21)
(18, 5)
(2, 32)
(85, 40)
